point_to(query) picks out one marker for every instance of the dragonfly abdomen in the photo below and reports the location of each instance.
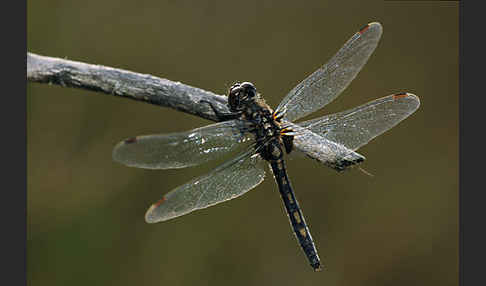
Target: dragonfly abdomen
(294, 213)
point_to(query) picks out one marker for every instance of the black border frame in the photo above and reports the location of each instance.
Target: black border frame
(471, 187)
(13, 215)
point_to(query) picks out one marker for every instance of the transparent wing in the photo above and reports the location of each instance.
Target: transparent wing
(324, 150)
(228, 181)
(326, 83)
(355, 127)
(184, 149)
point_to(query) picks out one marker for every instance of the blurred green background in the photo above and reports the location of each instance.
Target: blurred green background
(85, 213)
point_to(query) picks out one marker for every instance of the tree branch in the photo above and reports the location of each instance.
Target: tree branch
(118, 82)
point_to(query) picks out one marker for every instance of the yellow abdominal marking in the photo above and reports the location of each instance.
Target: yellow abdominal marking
(302, 232)
(297, 217)
(290, 198)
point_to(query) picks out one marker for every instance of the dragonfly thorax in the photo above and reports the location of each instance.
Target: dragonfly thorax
(267, 128)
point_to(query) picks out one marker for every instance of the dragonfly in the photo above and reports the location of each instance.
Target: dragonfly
(268, 135)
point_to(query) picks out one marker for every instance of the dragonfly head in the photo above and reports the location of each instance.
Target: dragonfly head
(239, 94)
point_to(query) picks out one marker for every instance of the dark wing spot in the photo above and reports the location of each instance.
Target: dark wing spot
(400, 95)
(363, 29)
(130, 140)
(159, 202)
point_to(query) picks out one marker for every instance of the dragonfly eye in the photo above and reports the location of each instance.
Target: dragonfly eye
(249, 89)
(234, 86)
(239, 93)
(235, 97)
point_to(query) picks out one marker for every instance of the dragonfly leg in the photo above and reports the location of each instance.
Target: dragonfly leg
(288, 143)
(279, 114)
(222, 116)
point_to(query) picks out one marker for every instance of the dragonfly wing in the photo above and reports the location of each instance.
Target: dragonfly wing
(355, 127)
(330, 153)
(326, 83)
(228, 181)
(184, 149)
